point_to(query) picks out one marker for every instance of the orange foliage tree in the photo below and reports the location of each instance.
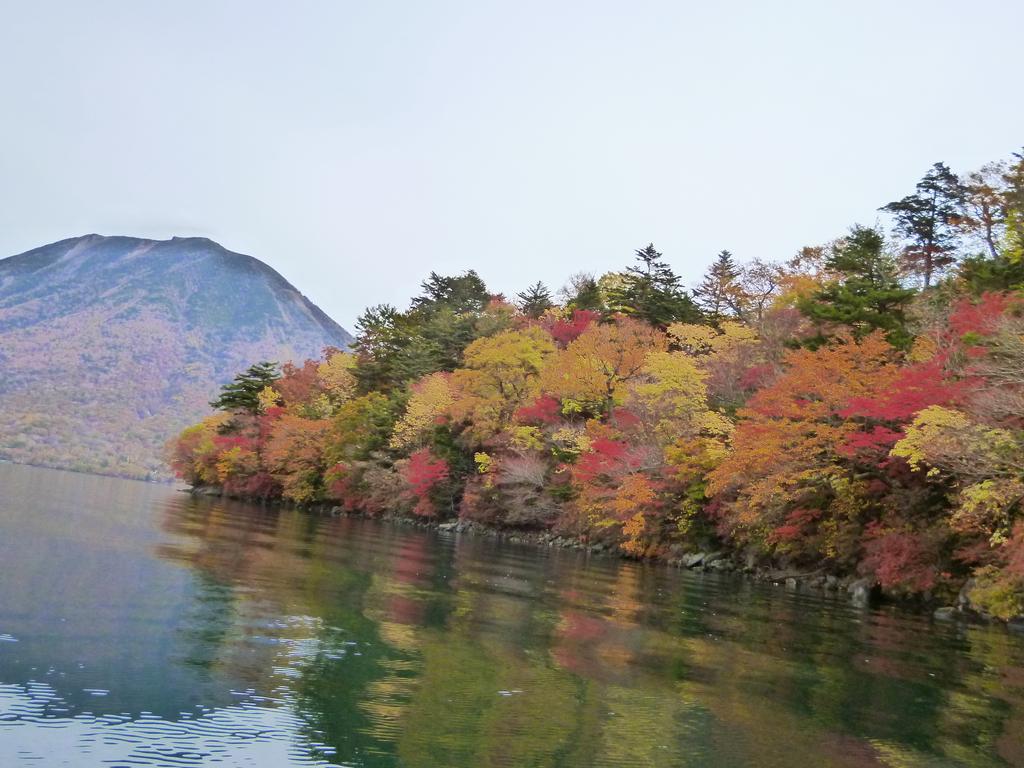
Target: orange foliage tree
(785, 480)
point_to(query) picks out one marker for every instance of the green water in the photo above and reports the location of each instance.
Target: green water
(141, 627)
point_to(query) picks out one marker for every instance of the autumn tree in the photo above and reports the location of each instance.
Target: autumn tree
(430, 400)
(565, 326)
(426, 478)
(1013, 202)
(732, 360)
(784, 479)
(193, 453)
(296, 456)
(337, 377)
(301, 389)
(927, 221)
(670, 399)
(590, 375)
(618, 490)
(361, 427)
(499, 375)
(985, 206)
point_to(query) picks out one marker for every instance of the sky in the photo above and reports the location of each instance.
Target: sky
(355, 147)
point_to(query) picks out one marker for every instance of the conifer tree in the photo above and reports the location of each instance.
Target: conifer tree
(718, 292)
(243, 393)
(867, 294)
(927, 221)
(651, 291)
(535, 300)
(583, 292)
(465, 293)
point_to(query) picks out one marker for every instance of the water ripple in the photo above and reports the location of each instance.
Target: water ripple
(245, 734)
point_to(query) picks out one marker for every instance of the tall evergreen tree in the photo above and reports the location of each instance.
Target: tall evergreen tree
(718, 293)
(395, 347)
(651, 291)
(867, 294)
(382, 334)
(535, 300)
(927, 221)
(243, 393)
(465, 293)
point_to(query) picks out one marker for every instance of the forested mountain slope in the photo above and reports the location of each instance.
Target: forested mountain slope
(109, 345)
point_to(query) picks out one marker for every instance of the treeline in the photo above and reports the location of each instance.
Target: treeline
(857, 408)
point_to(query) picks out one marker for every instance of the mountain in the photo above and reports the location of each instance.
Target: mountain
(110, 345)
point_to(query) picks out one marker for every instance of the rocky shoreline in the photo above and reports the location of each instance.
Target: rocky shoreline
(859, 591)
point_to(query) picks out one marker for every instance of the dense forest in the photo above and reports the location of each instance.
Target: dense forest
(858, 408)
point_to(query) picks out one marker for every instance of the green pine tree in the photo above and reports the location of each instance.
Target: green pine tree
(583, 292)
(651, 291)
(535, 300)
(718, 293)
(243, 393)
(867, 294)
(462, 294)
(928, 222)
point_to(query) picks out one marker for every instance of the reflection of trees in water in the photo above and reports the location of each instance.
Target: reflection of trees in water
(208, 622)
(431, 653)
(855, 687)
(297, 614)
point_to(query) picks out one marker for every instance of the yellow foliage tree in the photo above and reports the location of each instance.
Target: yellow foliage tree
(729, 337)
(268, 398)
(337, 378)
(671, 399)
(987, 463)
(500, 374)
(430, 399)
(593, 372)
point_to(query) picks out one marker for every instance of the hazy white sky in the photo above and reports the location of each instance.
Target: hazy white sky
(357, 146)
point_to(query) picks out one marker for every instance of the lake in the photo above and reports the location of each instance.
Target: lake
(141, 627)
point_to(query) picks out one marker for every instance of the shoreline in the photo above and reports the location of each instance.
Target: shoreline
(858, 591)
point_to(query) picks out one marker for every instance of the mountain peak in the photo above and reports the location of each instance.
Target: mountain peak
(110, 344)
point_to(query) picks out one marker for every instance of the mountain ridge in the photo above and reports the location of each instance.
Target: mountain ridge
(110, 344)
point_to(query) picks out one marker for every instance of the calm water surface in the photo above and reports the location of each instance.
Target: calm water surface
(141, 627)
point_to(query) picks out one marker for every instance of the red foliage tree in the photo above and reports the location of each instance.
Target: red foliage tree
(543, 410)
(894, 405)
(979, 317)
(565, 331)
(424, 474)
(901, 559)
(298, 384)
